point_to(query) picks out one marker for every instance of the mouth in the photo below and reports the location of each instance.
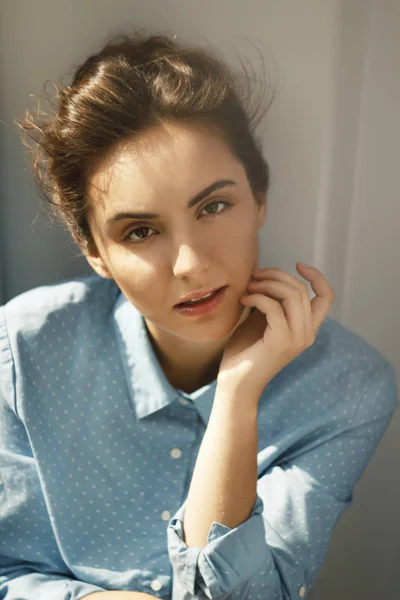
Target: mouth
(201, 307)
(194, 301)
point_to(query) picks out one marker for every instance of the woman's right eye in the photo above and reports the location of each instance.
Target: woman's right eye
(133, 231)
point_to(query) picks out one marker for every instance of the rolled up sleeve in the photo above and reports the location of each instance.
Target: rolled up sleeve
(278, 550)
(214, 568)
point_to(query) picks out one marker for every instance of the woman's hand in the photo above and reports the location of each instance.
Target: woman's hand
(284, 324)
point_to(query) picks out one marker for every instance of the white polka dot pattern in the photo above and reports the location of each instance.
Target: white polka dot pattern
(97, 450)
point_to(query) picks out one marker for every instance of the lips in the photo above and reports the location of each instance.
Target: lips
(199, 300)
(203, 307)
(199, 296)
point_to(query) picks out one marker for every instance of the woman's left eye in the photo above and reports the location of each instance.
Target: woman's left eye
(225, 204)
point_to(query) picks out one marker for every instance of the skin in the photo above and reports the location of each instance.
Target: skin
(186, 249)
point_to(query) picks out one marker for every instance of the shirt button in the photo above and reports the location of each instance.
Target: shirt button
(165, 515)
(176, 453)
(184, 401)
(155, 585)
(302, 591)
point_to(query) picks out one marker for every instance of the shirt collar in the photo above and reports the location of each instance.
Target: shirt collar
(148, 385)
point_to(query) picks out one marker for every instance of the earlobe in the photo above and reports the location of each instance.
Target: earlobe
(97, 263)
(91, 253)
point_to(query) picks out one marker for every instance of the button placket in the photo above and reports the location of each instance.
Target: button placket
(184, 402)
(176, 453)
(156, 585)
(302, 591)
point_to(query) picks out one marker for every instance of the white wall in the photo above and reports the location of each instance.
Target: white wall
(332, 141)
(362, 252)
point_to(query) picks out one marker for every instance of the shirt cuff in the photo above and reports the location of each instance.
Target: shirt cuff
(230, 557)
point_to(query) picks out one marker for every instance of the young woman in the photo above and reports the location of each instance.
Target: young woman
(154, 443)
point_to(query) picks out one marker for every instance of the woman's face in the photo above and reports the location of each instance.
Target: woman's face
(184, 248)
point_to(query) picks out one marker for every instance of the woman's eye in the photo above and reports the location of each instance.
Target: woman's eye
(141, 239)
(138, 231)
(225, 204)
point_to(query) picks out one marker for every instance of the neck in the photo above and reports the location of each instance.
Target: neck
(187, 365)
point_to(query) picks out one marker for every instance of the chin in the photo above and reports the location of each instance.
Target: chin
(214, 328)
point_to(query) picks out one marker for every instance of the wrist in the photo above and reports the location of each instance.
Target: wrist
(237, 397)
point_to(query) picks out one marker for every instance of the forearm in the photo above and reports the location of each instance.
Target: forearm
(224, 481)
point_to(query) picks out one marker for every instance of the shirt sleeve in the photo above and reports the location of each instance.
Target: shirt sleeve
(30, 565)
(278, 551)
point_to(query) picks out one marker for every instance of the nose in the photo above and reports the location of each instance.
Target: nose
(190, 262)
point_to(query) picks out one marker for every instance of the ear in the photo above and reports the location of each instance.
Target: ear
(97, 263)
(91, 253)
(261, 208)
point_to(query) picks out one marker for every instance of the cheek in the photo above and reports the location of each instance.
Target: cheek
(145, 290)
(242, 248)
(242, 238)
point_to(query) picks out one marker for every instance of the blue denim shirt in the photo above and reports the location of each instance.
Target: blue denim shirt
(97, 451)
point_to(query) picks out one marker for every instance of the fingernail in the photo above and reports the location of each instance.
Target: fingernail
(304, 265)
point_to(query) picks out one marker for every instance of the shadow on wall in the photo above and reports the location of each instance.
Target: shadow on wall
(48, 255)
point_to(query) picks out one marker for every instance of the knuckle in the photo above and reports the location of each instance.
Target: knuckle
(304, 344)
(311, 340)
(304, 287)
(274, 306)
(277, 305)
(297, 341)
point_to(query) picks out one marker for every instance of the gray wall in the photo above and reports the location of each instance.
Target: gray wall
(332, 139)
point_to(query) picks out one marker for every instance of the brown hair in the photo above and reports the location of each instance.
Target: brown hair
(135, 82)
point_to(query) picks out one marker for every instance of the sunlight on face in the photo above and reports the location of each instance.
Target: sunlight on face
(156, 261)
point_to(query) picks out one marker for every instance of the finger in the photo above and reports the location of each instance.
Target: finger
(275, 316)
(293, 305)
(280, 275)
(318, 307)
(324, 298)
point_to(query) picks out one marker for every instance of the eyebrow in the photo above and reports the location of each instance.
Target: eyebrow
(217, 185)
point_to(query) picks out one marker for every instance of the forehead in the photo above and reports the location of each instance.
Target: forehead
(164, 160)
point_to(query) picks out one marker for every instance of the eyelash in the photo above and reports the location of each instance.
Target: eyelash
(212, 215)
